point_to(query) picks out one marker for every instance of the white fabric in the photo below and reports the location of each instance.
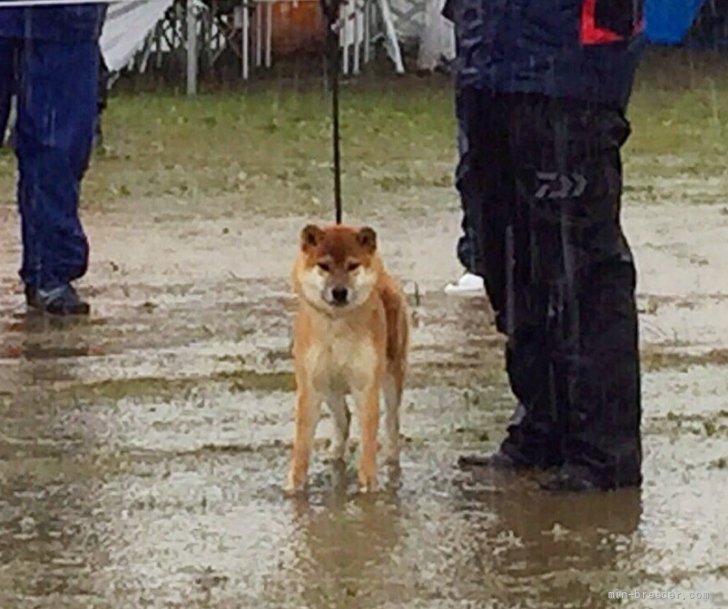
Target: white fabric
(409, 19)
(126, 28)
(438, 38)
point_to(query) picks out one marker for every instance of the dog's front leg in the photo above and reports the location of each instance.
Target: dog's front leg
(307, 414)
(368, 402)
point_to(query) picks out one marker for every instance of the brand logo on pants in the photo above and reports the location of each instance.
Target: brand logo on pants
(554, 185)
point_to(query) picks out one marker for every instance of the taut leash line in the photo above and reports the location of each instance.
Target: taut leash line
(330, 11)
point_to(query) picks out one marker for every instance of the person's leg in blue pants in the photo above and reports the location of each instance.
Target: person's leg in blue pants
(6, 85)
(57, 112)
(467, 246)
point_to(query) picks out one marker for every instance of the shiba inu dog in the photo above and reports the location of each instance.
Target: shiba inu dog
(351, 337)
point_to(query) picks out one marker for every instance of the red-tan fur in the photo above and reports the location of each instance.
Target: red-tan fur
(359, 349)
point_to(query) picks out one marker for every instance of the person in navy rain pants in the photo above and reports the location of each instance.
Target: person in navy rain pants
(542, 87)
(49, 57)
(466, 249)
(6, 97)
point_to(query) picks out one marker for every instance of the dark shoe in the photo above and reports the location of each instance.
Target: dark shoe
(571, 478)
(58, 301)
(579, 479)
(31, 297)
(497, 460)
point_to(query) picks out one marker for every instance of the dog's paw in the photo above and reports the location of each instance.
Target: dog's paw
(368, 483)
(294, 485)
(293, 491)
(369, 488)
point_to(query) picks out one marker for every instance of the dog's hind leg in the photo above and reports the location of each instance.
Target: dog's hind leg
(392, 390)
(342, 420)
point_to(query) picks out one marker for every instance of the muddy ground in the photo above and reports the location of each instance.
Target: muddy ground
(142, 451)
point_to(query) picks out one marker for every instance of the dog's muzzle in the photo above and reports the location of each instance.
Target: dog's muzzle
(339, 296)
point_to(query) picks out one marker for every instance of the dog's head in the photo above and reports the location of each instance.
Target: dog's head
(338, 266)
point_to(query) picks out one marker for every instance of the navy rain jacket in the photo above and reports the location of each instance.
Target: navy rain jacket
(580, 49)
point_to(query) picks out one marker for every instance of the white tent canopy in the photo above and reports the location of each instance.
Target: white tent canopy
(126, 28)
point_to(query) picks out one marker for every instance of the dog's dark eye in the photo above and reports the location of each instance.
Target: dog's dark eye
(324, 267)
(352, 266)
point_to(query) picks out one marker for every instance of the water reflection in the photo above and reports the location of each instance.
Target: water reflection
(346, 549)
(546, 550)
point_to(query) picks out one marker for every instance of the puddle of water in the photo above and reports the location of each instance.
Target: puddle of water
(142, 453)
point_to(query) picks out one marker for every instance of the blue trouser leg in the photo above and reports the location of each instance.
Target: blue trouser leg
(466, 183)
(57, 112)
(6, 85)
(560, 275)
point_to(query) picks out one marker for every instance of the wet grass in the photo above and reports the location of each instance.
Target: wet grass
(269, 147)
(478, 372)
(163, 388)
(712, 425)
(42, 470)
(721, 463)
(467, 374)
(444, 374)
(654, 359)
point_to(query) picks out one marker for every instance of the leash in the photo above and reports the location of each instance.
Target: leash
(330, 11)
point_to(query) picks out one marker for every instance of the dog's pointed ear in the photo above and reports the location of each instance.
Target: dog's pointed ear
(367, 238)
(311, 236)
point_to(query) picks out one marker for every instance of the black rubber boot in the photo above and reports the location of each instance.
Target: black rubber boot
(579, 479)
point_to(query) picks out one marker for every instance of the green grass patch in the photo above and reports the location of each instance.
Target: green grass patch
(269, 147)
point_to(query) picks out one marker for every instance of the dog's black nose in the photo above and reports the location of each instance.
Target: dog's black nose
(339, 295)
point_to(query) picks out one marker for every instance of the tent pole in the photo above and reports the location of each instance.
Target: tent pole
(191, 49)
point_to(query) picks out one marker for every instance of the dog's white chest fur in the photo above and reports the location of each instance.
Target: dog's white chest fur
(342, 362)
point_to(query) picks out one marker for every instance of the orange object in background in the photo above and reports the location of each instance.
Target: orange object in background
(296, 26)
